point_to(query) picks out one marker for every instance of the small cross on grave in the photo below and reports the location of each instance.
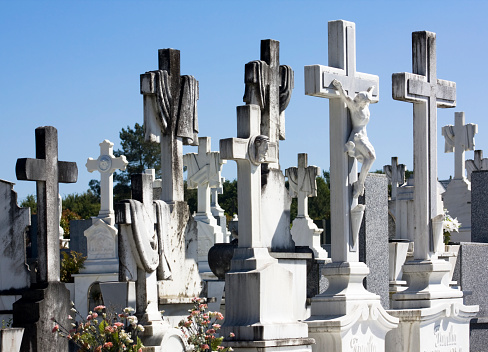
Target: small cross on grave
(459, 138)
(249, 150)
(427, 93)
(47, 171)
(395, 174)
(204, 169)
(303, 184)
(170, 117)
(106, 164)
(345, 214)
(270, 85)
(477, 164)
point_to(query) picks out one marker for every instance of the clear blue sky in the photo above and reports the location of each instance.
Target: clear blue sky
(75, 65)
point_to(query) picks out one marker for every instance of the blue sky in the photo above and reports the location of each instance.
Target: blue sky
(75, 65)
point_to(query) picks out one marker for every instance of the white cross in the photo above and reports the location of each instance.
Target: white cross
(343, 169)
(204, 172)
(459, 138)
(478, 163)
(427, 93)
(106, 164)
(247, 151)
(303, 184)
(396, 175)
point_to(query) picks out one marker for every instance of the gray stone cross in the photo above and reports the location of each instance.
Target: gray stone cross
(47, 171)
(170, 117)
(106, 164)
(343, 169)
(303, 184)
(478, 163)
(427, 93)
(459, 138)
(249, 150)
(396, 175)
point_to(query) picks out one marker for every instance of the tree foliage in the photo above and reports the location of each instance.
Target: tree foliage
(318, 207)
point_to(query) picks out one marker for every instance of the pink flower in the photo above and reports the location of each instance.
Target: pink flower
(211, 331)
(220, 316)
(204, 346)
(139, 350)
(109, 329)
(89, 317)
(99, 308)
(232, 334)
(56, 328)
(94, 315)
(216, 326)
(118, 324)
(108, 345)
(98, 349)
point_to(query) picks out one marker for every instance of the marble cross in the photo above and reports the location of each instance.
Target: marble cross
(204, 172)
(170, 118)
(249, 150)
(427, 93)
(270, 85)
(343, 169)
(47, 171)
(459, 138)
(303, 184)
(106, 164)
(478, 163)
(395, 174)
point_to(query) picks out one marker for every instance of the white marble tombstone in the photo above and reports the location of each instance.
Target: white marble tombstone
(457, 197)
(204, 173)
(303, 184)
(346, 316)
(432, 315)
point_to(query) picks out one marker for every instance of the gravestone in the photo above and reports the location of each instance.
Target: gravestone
(269, 85)
(48, 296)
(428, 307)
(257, 287)
(303, 184)
(479, 199)
(373, 236)
(204, 173)
(346, 315)
(170, 118)
(217, 210)
(143, 226)
(477, 164)
(14, 272)
(457, 197)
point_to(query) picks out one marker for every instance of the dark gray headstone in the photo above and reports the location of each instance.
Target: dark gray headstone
(471, 273)
(373, 236)
(479, 209)
(77, 240)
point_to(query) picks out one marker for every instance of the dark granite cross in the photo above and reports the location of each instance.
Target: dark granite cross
(47, 171)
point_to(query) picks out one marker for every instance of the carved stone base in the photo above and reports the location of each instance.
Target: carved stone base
(306, 233)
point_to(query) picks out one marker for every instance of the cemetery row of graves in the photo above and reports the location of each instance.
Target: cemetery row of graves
(403, 267)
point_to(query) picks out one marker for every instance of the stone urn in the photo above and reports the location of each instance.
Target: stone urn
(11, 339)
(219, 258)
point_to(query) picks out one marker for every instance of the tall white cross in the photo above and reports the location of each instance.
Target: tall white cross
(248, 152)
(303, 184)
(107, 164)
(459, 138)
(478, 163)
(343, 169)
(396, 175)
(204, 172)
(427, 93)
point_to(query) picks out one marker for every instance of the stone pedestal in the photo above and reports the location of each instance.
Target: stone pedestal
(347, 317)
(398, 250)
(306, 233)
(457, 200)
(209, 233)
(444, 327)
(34, 311)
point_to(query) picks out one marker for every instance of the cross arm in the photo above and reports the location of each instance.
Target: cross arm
(28, 169)
(318, 82)
(67, 172)
(233, 148)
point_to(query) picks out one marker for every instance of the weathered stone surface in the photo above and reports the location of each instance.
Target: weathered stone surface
(14, 273)
(373, 236)
(479, 210)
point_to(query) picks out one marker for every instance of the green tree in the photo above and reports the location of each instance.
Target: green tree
(228, 200)
(30, 202)
(140, 154)
(191, 197)
(85, 204)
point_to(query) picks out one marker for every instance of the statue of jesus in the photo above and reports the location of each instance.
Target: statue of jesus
(358, 145)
